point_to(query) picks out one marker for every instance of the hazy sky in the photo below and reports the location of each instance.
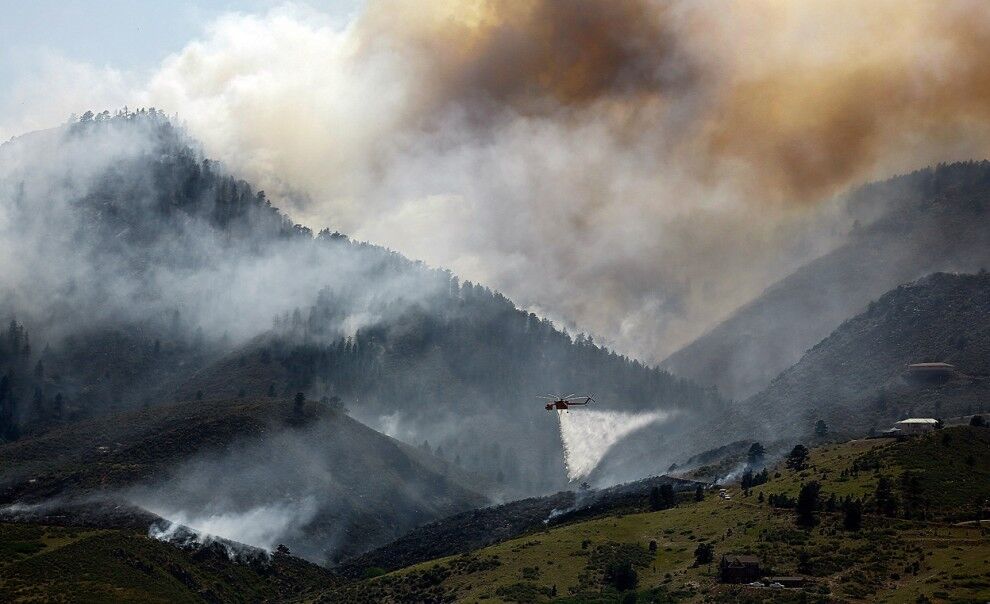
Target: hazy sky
(126, 39)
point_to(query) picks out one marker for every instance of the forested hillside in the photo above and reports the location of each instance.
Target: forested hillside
(129, 209)
(457, 374)
(931, 220)
(182, 282)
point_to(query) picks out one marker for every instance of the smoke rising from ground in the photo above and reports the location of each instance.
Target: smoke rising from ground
(306, 487)
(587, 435)
(603, 162)
(262, 526)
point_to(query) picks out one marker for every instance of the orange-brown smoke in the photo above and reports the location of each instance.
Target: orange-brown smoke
(916, 75)
(533, 56)
(796, 99)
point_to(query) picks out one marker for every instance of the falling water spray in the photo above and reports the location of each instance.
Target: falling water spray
(587, 435)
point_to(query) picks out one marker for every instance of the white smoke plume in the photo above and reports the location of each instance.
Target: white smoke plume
(262, 526)
(587, 435)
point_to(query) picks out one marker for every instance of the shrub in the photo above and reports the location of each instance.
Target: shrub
(621, 575)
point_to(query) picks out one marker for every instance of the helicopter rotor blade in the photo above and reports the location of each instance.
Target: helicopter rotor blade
(584, 400)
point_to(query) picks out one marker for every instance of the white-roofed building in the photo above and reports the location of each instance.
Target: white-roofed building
(917, 425)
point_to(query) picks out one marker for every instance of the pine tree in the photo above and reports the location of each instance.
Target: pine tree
(797, 459)
(807, 504)
(755, 454)
(852, 518)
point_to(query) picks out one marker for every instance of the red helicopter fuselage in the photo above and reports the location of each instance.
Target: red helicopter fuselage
(563, 404)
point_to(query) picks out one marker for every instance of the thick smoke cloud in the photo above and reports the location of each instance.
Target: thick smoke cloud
(75, 259)
(638, 168)
(604, 162)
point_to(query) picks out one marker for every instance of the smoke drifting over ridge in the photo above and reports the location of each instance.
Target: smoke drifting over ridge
(639, 168)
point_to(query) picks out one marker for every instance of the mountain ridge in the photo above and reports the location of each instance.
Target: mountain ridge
(898, 237)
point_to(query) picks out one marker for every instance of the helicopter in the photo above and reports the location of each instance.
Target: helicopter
(564, 403)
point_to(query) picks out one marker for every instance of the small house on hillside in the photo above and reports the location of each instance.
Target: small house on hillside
(931, 372)
(917, 425)
(739, 569)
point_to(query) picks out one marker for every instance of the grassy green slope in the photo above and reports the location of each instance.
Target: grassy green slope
(890, 559)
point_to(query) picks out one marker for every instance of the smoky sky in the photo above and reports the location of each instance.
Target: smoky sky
(636, 169)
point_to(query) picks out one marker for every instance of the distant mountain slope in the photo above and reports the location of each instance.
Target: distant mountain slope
(259, 471)
(932, 220)
(855, 378)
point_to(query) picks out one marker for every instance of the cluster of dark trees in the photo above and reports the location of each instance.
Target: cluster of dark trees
(750, 480)
(809, 502)
(944, 178)
(902, 498)
(905, 498)
(755, 455)
(29, 397)
(662, 497)
(15, 352)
